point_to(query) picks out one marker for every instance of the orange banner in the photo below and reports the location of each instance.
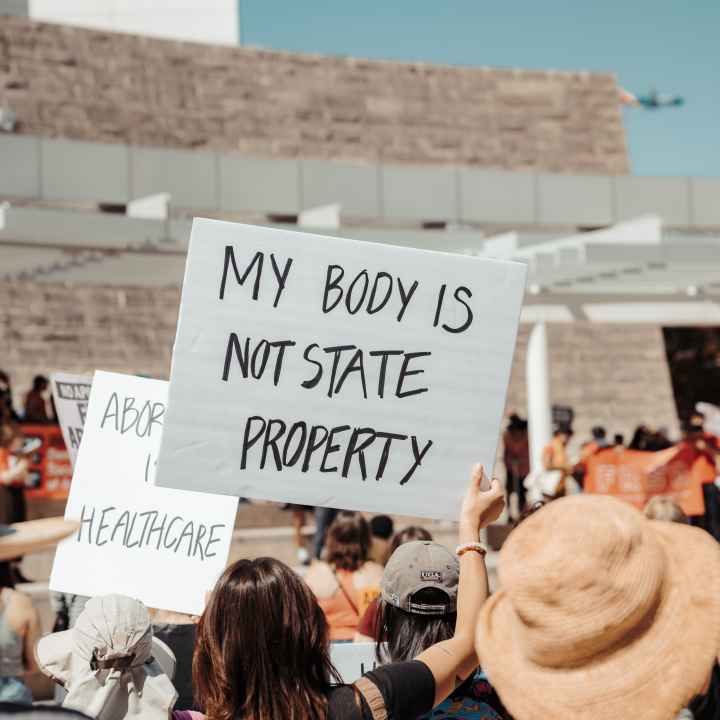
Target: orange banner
(50, 468)
(635, 476)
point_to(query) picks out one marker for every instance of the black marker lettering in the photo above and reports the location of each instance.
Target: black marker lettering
(83, 521)
(384, 354)
(281, 276)
(202, 530)
(332, 284)
(336, 349)
(385, 455)
(312, 382)
(418, 455)
(372, 308)
(233, 346)
(468, 311)
(355, 365)
(230, 260)
(351, 290)
(212, 540)
(314, 444)
(405, 298)
(355, 448)
(438, 307)
(270, 441)
(111, 411)
(247, 442)
(102, 526)
(330, 448)
(122, 522)
(167, 534)
(281, 345)
(298, 426)
(404, 372)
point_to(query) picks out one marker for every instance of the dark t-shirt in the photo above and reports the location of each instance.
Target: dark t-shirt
(707, 707)
(408, 689)
(181, 640)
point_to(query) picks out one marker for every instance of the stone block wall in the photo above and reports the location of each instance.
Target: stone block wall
(615, 375)
(109, 87)
(46, 327)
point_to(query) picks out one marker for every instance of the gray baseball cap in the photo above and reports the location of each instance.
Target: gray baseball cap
(417, 566)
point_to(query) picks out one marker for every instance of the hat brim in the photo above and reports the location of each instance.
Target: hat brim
(653, 676)
(53, 654)
(34, 535)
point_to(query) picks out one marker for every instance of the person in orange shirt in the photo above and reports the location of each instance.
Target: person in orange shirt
(555, 458)
(347, 582)
(13, 468)
(705, 469)
(599, 442)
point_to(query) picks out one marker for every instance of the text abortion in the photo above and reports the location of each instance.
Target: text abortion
(336, 370)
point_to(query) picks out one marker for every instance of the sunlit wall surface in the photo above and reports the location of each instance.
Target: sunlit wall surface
(208, 21)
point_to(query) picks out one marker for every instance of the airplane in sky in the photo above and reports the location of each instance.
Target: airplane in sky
(652, 100)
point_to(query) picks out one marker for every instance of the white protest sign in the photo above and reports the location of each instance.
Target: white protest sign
(331, 372)
(71, 394)
(353, 660)
(164, 547)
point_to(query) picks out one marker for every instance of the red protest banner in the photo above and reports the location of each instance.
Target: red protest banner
(50, 469)
(635, 476)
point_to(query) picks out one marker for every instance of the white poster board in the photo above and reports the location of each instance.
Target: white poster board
(325, 371)
(71, 394)
(353, 660)
(164, 547)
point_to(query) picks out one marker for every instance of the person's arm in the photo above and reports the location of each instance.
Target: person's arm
(452, 661)
(15, 474)
(548, 458)
(31, 636)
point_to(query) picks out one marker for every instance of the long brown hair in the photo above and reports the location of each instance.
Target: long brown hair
(348, 541)
(262, 650)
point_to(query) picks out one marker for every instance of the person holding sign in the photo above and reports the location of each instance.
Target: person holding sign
(275, 662)
(418, 608)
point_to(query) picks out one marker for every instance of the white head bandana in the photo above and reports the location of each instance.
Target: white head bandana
(110, 664)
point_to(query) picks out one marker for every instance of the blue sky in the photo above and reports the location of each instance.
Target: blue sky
(673, 45)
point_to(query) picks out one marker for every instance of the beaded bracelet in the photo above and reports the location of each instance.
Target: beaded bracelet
(473, 546)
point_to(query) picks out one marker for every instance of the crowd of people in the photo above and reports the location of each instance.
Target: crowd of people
(627, 624)
(600, 611)
(562, 474)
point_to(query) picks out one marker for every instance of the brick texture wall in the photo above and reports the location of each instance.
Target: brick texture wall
(46, 327)
(615, 375)
(612, 375)
(91, 85)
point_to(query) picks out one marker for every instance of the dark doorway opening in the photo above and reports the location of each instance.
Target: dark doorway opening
(693, 355)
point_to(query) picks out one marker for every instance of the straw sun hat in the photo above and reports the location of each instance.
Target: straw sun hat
(602, 614)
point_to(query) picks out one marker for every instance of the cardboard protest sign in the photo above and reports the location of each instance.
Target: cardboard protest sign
(164, 547)
(50, 471)
(635, 475)
(324, 371)
(353, 660)
(71, 394)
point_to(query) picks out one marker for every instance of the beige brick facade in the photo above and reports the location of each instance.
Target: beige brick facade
(90, 85)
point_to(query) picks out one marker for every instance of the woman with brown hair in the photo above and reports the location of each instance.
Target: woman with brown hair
(347, 582)
(263, 642)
